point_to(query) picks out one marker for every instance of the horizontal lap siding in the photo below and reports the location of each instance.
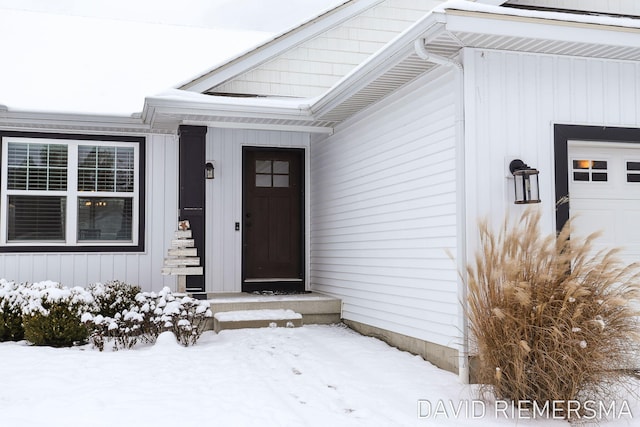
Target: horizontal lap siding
(383, 213)
(144, 269)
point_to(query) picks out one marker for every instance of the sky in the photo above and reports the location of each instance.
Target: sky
(251, 15)
(105, 56)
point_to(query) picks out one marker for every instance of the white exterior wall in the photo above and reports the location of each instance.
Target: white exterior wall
(622, 7)
(513, 101)
(144, 269)
(383, 213)
(223, 266)
(314, 66)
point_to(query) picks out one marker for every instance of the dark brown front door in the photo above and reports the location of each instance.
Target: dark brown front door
(272, 238)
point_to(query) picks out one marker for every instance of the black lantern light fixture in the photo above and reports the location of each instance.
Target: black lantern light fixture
(209, 170)
(525, 180)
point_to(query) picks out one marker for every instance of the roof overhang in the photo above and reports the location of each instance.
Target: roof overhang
(72, 122)
(444, 32)
(546, 32)
(176, 107)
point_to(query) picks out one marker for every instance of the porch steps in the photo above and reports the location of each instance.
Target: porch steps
(314, 308)
(256, 319)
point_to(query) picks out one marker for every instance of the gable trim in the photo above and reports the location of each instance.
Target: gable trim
(276, 46)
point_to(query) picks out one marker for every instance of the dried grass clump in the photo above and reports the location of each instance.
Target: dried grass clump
(551, 320)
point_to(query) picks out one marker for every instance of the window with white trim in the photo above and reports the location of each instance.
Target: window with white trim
(65, 192)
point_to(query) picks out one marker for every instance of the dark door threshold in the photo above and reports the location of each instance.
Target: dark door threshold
(282, 286)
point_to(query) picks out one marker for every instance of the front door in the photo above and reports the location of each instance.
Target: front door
(273, 220)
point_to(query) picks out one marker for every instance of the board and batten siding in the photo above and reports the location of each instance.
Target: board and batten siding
(514, 100)
(383, 213)
(143, 269)
(223, 266)
(312, 67)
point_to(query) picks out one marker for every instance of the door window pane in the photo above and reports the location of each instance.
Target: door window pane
(263, 180)
(263, 166)
(281, 181)
(280, 167)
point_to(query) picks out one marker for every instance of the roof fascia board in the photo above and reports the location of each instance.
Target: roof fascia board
(276, 46)
(71, 121)
(261, 126)
(540, 28)
(157, 106)
(379, 63)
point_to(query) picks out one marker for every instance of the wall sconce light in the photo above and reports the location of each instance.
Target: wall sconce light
(209, 170)
(525, 180)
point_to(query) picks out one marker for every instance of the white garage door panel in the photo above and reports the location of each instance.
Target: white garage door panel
(601, 198)
(619, 225)
(612, 206)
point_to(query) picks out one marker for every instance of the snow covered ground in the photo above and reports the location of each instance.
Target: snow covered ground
(309, 376)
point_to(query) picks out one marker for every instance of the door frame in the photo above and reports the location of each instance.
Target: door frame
(276, 285)
(562, 134)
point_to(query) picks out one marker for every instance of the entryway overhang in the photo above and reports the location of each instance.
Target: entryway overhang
(182, 107)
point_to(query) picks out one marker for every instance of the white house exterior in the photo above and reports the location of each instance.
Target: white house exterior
(367, 144)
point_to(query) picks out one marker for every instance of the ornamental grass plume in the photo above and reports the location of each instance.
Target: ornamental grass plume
(552, 320)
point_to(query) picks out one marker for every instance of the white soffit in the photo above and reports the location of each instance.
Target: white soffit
(448, 30)
(382, 86)
(540, 35)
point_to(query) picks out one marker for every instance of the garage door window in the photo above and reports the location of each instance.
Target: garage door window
(590, 170)
(633, 171)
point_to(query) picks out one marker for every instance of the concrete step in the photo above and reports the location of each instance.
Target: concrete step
(315, 308)
(241, 319)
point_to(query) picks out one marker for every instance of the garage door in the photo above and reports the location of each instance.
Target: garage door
(604, 193)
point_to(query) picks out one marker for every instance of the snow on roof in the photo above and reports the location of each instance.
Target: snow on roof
(64, 64)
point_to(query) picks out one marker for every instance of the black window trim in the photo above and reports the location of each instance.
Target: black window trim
(140, 140)
(562, 134)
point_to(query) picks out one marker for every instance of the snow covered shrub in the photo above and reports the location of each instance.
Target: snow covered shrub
(10, 312)
(113, 297)
(124, 329)
(148, 315)
(117, 316)
(551, 321)
(52, 314)
(184, 316)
